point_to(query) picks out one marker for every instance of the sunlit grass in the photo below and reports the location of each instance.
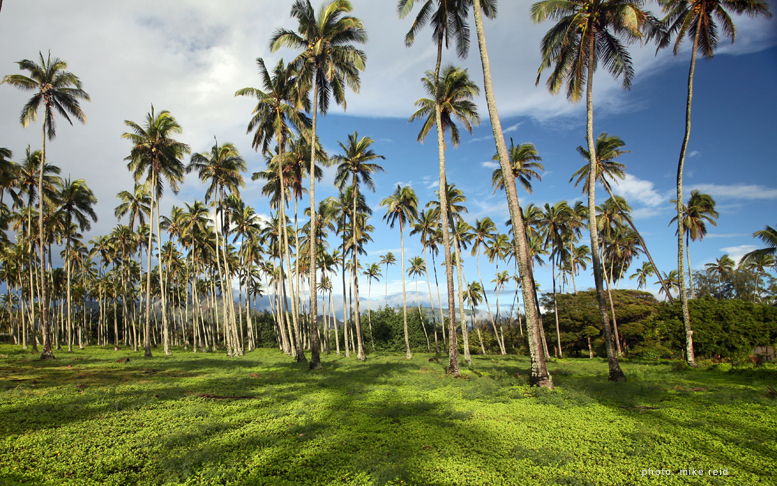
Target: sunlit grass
(263, 419)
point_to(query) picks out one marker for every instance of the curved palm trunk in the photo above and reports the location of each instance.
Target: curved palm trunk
(431, 302)
(690, 269)
(315, 353)
(560, 353)
(612, 311)
(453, 353)
(369, 309)
(615, 371)
(147, 337)
(408, 354)
(461, 278)
(539, 369)
(418, 303)
(488, 306)
(357, 315)
(44, 314)
(689, 353)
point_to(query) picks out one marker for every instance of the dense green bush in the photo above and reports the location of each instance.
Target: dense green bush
(725, 328)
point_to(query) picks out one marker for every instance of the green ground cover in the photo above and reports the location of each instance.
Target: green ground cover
(262, 419)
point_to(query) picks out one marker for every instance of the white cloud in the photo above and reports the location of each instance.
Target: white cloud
(490, 165)
(513, 128)
(736, 191)
(737, 252)
(729, 235)
(694, 153)
(635, 189)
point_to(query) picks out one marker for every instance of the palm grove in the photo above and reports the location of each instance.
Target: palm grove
(171, 279)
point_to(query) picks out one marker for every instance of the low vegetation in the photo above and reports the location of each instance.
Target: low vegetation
(86, 418)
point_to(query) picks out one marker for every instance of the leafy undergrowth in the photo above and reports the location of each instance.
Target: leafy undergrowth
(263, 419)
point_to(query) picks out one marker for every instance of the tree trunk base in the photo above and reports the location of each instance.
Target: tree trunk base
(542, 381)
(147, 354)
(47, 355)
(315, 365)
(617, 376)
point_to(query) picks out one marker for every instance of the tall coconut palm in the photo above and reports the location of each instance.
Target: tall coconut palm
(402, 207)
(525, 162)
(279, 111)
(418, 269)
(76, 200)
(158, 155)
(387, 259)
(427, 228)
(60, 90)
(222, 167)
(372, 273)
(608, 148)
(474, 295)
(722, 268)
(642, 274)
(452, 94)
(586, 33)
(697, 18)
(328, 63)
(767, 235)
(448, 20)
(699, 211)
(356, 165)
(539, 374)
(483, 232)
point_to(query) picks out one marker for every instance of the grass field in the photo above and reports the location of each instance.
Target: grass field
(263, 419)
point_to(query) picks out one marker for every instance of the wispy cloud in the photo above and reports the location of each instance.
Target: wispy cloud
(727, 235)
(636, 189)
(513, 128)
(490, 165)
(751, 192)
(694, 153)
(737, 252)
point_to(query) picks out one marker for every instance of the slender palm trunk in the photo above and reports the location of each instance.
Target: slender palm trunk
(315, 353)
(431, 302)
(357, 315)
(147, 337)
(488, 306)
(439, 300)
(461, 280)
(560, 353)
(615, 371)
(369, 309)
(612, 311)
(420, 318)
(408, 354)
(44, 310)
(690, 269)
(539, 369)
(69, 310)
(453, 353)
(689, 353)
(163, 290)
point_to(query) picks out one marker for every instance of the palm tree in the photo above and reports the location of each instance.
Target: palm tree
(697, 18)
(642, 274)
(586, 33)
(474, 295)
(699, 211)
(450, 19)
(427, 228)
(525, 162)
(387, 259)
(277, 113)
(608, 148)
(222, 167)
(56, 89)
(483, 232)
(159, 156)
(769, 236)
(452, 99)
(556, 223)
(418, 268)
(672, 283)
(723, 267)
(402, 208)
(76, 200)
(539, 375)
(355, 164)
(372, 273)
(329, 62)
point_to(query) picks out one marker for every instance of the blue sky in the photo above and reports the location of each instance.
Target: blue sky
(191, 57)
